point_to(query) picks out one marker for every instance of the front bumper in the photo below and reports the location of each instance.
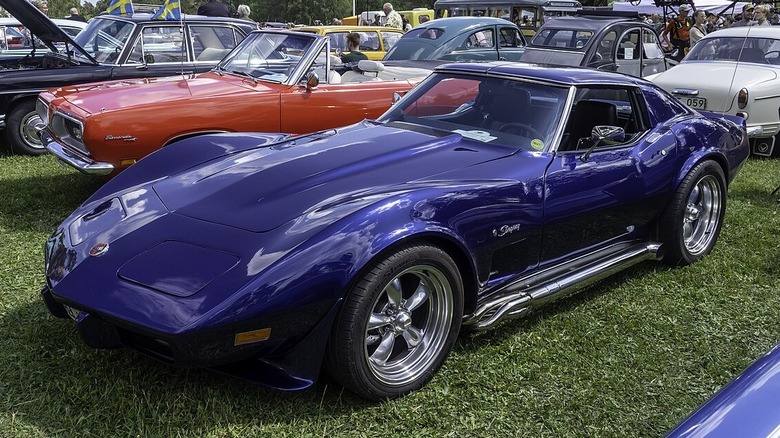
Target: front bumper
(82, 164)
(278, 364)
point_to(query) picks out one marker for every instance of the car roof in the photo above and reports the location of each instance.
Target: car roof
(569, 76)
(742, 31)
(456, 24)
(348, 28)
(593, 23)
(143, 17)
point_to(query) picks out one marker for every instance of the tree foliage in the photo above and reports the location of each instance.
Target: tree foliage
(296, 11)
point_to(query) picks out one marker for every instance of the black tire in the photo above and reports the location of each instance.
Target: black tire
(694, 217)
(397, 324)
(22, 127)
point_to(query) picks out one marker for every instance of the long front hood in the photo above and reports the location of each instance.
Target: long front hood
(718, 82)
(262, 189)
(118, 95)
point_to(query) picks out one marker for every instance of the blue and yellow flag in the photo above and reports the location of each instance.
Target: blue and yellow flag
(120, 7)
(170, 10)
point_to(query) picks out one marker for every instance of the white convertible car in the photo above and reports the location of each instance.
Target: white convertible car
(734, 71)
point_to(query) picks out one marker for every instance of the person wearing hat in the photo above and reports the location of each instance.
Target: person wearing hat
(746, 16)
(377, 20)
(676, 34)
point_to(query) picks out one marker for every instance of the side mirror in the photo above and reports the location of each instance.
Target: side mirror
(312, 81)
(603, 133)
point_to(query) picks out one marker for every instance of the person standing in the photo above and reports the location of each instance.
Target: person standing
(213, 8)
(377, 20)
(762, 15)
(746, 18)
(676, 34)
(698, 30)
(74, 15)
(393, 17)
(407, 26)
(243, 12)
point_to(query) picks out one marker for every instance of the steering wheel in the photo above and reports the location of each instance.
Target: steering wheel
(520, 128)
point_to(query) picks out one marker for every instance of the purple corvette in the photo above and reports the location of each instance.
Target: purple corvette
(485, 192)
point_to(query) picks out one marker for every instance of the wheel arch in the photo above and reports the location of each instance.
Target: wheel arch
(694, 160)
(451, 246)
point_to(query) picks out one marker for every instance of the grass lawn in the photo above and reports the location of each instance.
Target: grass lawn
(631, 356)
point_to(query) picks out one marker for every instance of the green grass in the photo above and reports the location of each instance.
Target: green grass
(631, 356)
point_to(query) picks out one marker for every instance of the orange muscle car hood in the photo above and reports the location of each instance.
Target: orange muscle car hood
(117, 95)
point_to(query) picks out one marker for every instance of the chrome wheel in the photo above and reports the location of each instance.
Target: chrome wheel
(30, 129)
(702, 215)
(409, 324)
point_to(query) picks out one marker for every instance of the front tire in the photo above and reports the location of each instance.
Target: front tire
(398, 323)
(22, 128)
(694, 217)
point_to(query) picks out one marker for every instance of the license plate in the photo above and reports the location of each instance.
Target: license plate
(695, 102)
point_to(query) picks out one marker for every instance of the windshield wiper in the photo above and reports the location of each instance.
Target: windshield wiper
(244, 74)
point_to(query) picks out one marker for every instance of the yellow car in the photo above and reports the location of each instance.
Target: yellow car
(374, 40)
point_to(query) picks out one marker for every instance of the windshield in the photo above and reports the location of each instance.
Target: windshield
(268, 56)
(105, 38)
(490, 110)
(754, 50)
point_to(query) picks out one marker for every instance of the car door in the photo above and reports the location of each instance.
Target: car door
(639, 53)
(511, 43)
(614, 191)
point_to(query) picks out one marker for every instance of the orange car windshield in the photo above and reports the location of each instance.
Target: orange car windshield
(269, 56)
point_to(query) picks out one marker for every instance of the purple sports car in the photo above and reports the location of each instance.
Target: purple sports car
(485, 192)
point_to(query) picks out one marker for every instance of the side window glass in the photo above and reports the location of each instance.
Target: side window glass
(651, 47)
(480, 39)
(611, 107)
(369, 42)
(338, 41)
(510, 37)
(629, 45)
(389, 39)
(212, 43)
(161, 44)
(604, 50)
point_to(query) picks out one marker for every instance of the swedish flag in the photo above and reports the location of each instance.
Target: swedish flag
(120, 7)
(170, 10)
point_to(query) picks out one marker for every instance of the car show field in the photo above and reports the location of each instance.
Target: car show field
(290, 246)
(632, 356)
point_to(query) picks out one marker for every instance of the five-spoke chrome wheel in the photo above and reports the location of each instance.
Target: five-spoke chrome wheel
(398, 323)
(408, 325)
(694, 216)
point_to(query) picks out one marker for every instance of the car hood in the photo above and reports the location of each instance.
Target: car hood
(38, 23)
(718, 82)
(118, 95)
(262, 189)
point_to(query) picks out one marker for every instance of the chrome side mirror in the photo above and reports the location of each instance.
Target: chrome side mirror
(312, 81)
(603, 133)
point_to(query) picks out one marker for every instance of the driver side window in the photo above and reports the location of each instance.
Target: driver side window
(619, 108)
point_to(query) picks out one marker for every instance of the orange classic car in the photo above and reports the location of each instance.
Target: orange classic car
(274, 81)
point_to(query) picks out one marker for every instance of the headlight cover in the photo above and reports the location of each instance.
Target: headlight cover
(69, 130)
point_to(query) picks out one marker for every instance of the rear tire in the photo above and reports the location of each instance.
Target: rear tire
(694, 217)
(397, 324)
(22, 128)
